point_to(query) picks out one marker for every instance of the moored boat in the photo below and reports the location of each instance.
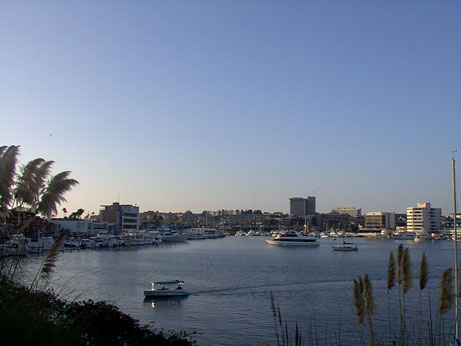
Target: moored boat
(195, 234)
(39, 244)
(293, 238)
(421, 236)
(403, 235)
(153, 237)
(212, 233)
(171, 235)
(345, 246)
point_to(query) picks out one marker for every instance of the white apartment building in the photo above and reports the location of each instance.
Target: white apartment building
(423, 218)
(354, 212)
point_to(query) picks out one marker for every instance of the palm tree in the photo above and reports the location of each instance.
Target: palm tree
(8, 160)
(31, 192)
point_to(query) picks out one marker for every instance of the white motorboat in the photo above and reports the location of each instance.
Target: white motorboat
(403, 235)
(293, 238)
(211, 233)
(152, 238)
(71, 243)
(195, 234)
(114, 241)
(166, 289)
(16, 246)
(345, 247)
(171, 235)
(87, 243)
(138, 239)
(421, 236)
(40, 244)
(99, 241)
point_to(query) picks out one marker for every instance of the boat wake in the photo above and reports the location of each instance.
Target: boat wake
(266, 288)
(242, 288)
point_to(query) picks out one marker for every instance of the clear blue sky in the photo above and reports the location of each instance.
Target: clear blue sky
(195, 105)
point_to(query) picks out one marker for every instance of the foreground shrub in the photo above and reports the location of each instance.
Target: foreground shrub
(32, 317)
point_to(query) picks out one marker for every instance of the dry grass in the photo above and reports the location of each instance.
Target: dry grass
(446, 292)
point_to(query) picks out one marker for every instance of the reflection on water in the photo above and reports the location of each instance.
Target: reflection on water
(231, 281)
(159, 303)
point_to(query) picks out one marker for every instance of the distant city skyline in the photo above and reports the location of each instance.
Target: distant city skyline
(206, 105)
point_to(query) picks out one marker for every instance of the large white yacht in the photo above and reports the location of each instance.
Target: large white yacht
(152, 237)
(40, 244)
(421, 236)
(403, 235)
(171, 235)
(293, 238)
(195, 234)
(211, 233)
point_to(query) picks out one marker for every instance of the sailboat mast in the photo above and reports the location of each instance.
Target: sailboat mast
(456, 250)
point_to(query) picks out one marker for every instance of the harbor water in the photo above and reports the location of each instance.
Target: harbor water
(231, 281)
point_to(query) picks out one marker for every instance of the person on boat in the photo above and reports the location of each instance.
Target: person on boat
(179, 287)
(163, 288)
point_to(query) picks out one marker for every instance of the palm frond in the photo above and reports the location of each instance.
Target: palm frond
(54, 193)
(406, 271)
(8, 160)
(391, 272)
(446, 292)
(423, 272)
(25, 186)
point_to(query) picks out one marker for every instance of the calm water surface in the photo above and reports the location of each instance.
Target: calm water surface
(231, 281)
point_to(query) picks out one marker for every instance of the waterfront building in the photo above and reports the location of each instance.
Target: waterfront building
(379, 221)
(82, 227)
(301, 207)
(354, 212)
(447, 222)
(423, 218)
(125, 217)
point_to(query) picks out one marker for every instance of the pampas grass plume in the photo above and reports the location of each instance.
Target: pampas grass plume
(358, 301)
(406, 271)
(423, 272)
(399, 262)
(50, 261)
(368, 296)
(446, 292)
(391, 271)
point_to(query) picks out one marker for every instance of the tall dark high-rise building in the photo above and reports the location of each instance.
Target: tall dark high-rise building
(301, 207)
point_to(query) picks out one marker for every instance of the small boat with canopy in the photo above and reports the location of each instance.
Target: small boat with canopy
(345, 246)
(166, 289)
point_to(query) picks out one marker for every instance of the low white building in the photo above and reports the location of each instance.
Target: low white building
(82, 228)
(351, 211)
